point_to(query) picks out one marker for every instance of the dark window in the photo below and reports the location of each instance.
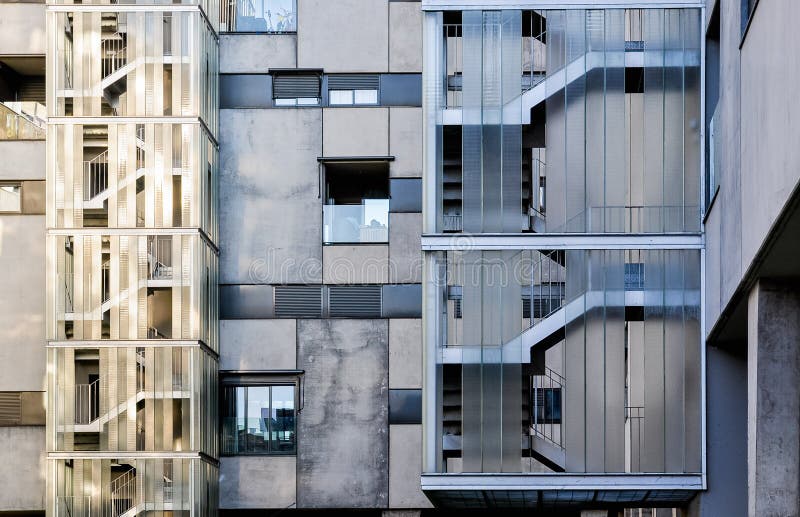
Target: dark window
(258, 420)
(634, 276)
(547, 406)
(405, 406)
(356, 206)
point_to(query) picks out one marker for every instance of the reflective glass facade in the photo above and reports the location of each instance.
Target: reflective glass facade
(132, 311)
(583, 357)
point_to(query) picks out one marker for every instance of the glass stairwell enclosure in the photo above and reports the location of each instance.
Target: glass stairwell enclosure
(563, 317)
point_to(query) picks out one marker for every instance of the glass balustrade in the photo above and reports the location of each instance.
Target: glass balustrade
(364, 223)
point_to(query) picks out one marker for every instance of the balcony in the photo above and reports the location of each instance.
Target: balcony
(270, 16)
(22, 121)
(356, 224)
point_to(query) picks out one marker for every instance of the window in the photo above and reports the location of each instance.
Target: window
(11, 197)
(276, 16)
(356, 206)
(353, 89)
(258, 420)
(296, 89)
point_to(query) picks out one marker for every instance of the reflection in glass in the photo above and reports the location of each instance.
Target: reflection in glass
(258, 420)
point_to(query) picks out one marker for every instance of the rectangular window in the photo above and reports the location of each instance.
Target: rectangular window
(258, 420)
(356, 208)
(11, 197)
(296, 89)
(353, 89)
(275, 16)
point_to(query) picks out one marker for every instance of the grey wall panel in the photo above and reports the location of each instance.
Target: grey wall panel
(405, 255)
(22, 468)
(258, 344)
(405, 468)
(257, 482)
(23, 159)
(270, 210)
(245, 91)
(22, 304)
(248, 53)
(402, 301)
(406, 195)
(245, 301)
(405, 37)
(401, 90)
(343, 446)
(405, 353)
(22, 29)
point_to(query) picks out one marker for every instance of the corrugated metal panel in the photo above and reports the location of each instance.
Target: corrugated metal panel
(355, 301)
(298, 301)
(353, 82)
(10, 407)
(295, 86)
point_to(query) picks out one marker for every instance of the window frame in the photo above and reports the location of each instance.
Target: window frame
(240, 448)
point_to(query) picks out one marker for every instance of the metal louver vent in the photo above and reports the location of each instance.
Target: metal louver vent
(353, 82)
(457, 308)
(295, 86)
(298, 301)
(10, 407)
(354, 301)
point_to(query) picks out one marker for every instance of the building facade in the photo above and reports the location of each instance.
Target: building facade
(398, 257)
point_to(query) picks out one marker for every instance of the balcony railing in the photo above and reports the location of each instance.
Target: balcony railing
(22, 121)
(365, 223)
(271, 16)
(547, 392)
(87, 402)
(73, 506)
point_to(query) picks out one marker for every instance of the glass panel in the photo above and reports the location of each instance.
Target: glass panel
(338, 97)
(258, 419)
(368, 222)
(258, 16)
(10, 200)
(282, 424)
(366, 96)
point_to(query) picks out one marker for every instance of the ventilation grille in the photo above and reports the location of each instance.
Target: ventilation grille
(353, 82)
(298, 301)
(457, 308)
(10, 407)
(362, 301)
(295, 86)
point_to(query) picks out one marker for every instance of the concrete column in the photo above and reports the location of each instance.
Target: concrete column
(773, 399)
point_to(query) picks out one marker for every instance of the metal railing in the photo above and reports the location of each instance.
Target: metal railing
(114, 52)
(242, 16)
(534, 52)
(95, 176)
(159, 258)
(547, 287)
(123, 493)
(87, 402)
(454, 59)
(451, 223)
(22, 121)
(547, 406)
(634, 423)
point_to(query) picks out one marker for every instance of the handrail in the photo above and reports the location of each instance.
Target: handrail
(547, 407)
(114, 52)
(87, 402)
(95, 176)
(123, 493)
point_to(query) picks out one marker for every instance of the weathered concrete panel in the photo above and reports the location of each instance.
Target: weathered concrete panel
(23, 159)
(256, 53)
(257, 482)
(365, 264)
(405, 142)
(257, 345)
(405, 354)
(405, 248)
(22, 29)
(355, 131)
(405, 467)
(343, 36)
(22, 304)
(343, 442)
(270, 222)
(22, 468)
(405, 37)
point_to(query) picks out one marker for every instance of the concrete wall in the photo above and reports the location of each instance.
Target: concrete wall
(355, 131)
(405, 354)
(256, 53)
(343, 442)
(405, 467)
(405, 142)
(405, 245)
(343, 36)
(22, 468)
(257, 482)
(405, 37)
(22, 29)
(760, 160)
(22, 304)
(22, 159)
(257, 344)
(270, 210)
(363, 264)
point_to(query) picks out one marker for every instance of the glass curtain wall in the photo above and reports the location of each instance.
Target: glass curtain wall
(567, 121)
(132, 311)
(576, 122)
